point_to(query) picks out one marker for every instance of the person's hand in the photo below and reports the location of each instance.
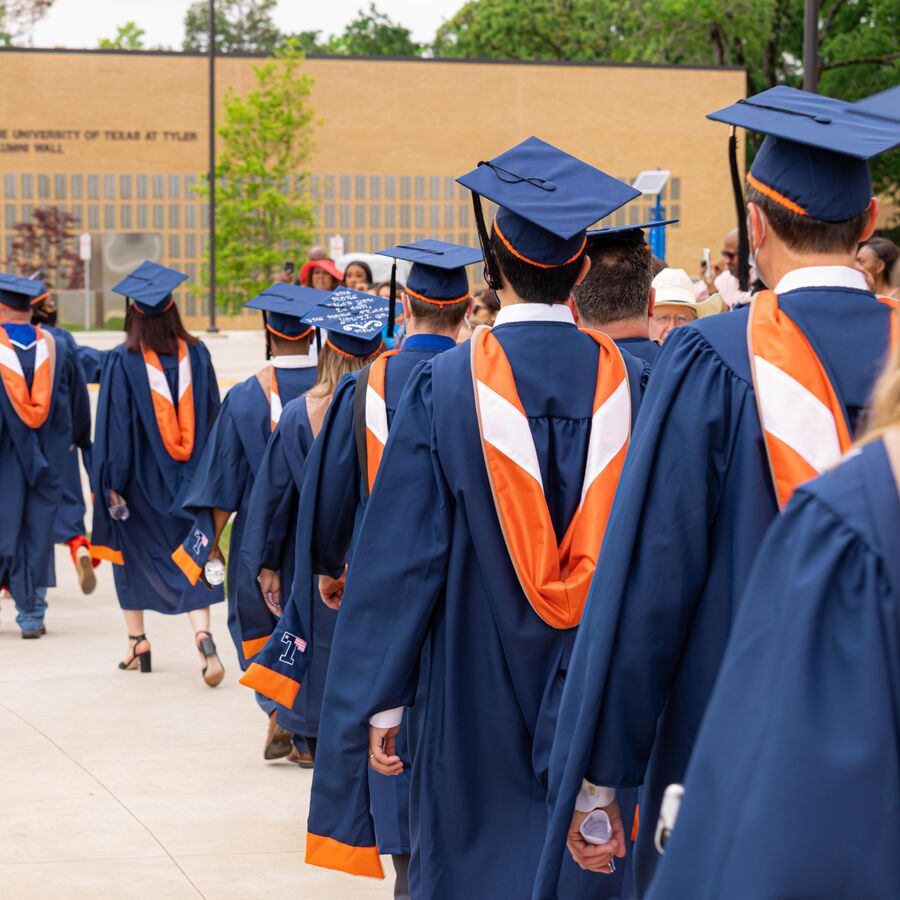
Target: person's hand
(383, 750)
(270, 585)
(116, 499)
(332, 589)
(719, 266)
(596, 857)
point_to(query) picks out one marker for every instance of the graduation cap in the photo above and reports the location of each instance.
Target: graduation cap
(284, 305)
(438, 274)
(354, 321)
(886, 104)
(150, 287)
(626, 234)
(814, 160)
(20, 293)
(547, 199)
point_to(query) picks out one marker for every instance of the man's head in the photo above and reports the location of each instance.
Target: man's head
(730, 251)
(617, 286)
(781, 237)
(485, 307)
(19, 298)
(675, 303)
(428, 318)
(534, 283)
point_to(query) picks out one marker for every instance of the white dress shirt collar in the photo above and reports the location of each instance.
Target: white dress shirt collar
(822, 277)
(307, 361)
(534, 312)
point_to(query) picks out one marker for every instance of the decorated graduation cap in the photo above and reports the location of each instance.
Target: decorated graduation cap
(546, 198)
(20, 293)
(150, 287)
(814, 160)
(626, 234)
(353, 320)
(438, 273)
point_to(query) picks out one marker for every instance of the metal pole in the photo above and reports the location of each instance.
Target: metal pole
(811, 46)
(212, 166)
(87, 296)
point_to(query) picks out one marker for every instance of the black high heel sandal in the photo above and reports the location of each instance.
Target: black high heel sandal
(213, 672)
(142, 659)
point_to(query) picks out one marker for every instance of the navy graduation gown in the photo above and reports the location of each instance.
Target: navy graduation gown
(70, 517)
(694, 502)
(269, 542)
(792, 789)
(434, 619)
(643, 348)
(32, 470)
(331, 508)
(92, 361)
(225, 476)
(130, 458)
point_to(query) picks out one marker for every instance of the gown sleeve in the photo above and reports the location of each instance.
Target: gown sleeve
(272, 500)
(218, 483)
(111, 457)
(331, 487)
(793, 783)
(79, 402)
(636, 621)
(388, 605)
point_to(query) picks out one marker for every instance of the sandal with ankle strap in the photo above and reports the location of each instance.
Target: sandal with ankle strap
(213, 672)
(142, 658)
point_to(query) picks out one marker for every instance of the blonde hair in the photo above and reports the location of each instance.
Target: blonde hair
(333, 366)
(885, 411)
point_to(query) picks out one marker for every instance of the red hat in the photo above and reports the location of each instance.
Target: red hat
(326, 264)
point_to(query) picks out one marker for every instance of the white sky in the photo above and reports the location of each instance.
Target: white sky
(82, 23)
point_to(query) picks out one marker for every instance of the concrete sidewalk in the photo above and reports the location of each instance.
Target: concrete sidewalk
(122, 785)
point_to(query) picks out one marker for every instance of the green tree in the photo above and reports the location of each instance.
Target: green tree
(263, 210)
(17, 17)
(857, 41)
(242, 26)
(373, 33)
(128, 37)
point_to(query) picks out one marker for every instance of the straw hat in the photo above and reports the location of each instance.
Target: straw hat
(674, 287)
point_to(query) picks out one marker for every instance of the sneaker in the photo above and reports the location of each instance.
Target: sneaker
(84, 565)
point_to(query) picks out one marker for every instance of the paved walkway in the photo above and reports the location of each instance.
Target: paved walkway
(122, 785)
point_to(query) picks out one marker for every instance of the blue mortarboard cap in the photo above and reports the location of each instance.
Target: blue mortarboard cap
(885, 105)
(20, 293)
(354, 321)
(547, 199)
(814, 158)
(150, 286)
(438, 274)
(626, 233)
(285, 305)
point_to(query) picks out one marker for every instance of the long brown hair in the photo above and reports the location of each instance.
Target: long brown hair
(333, 366)
(158, 333)
(885, 412)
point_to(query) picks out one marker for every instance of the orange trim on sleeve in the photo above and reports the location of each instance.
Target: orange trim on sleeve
(274, 685)
(99, 551)
(772, 194)
(183, 560)
(331, 854)
(441, 303)
(533, 262)
(253, 646)
(637, 822)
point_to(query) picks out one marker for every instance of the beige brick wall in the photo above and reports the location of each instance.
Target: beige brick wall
(386, 127)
